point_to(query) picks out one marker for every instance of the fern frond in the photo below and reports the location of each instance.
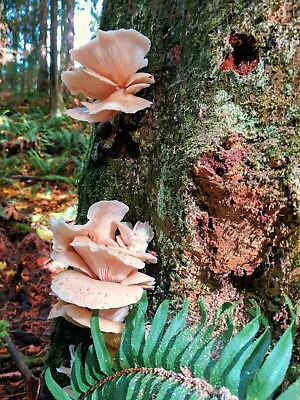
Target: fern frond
(175, 361)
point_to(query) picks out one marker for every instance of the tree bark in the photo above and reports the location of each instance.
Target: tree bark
(42, 82)
(212, 165)
(70, 36)
(55, 93)
(67, 38)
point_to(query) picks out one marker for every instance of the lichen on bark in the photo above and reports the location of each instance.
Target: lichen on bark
(212, 165)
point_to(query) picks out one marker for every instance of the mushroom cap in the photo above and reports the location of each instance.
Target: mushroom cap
(76, 288)
(145, 257)
(121, 100)
(103, 217)
(109, 320)
(138, 278)
(116, 55)
(71, 258)
(92, 85)
(82, 114)
(136, 240)
(109, 75)
(64, 233)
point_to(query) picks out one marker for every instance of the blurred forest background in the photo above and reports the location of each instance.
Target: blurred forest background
(40, 155)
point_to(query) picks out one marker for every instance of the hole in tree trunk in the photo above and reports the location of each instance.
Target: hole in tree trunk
(244, 55)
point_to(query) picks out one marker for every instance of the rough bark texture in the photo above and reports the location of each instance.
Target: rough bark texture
(43, 83)
(55, 92)
(212, 165)
(67, 37)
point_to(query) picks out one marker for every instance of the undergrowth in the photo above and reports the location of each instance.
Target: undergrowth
(176, 361)
(35, 147)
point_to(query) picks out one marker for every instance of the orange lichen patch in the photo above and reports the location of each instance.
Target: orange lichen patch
(244, 55)
(238, 218)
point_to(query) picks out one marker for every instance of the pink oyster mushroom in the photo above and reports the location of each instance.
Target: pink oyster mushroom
(109, 75)
(106, 265)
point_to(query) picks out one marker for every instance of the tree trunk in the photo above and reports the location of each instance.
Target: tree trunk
(70, 35)
(212, 165)
(14, 75)
(43, 83)
(55, 94)
(32, 59)
(67, 37)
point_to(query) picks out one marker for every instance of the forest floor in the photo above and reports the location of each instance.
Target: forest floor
(29, 194)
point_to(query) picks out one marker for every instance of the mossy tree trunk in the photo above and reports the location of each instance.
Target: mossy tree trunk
(212, 165)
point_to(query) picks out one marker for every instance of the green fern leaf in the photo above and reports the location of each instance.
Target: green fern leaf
(155, 334)
(138, 332)
(202, 337)
(143, 383)
(100, 347)
(91, 367)
(78, 381)
(206, 357)
(252, 365)
(232, 351)
(57, 392)
(134, 386)
(122, 385)
(181, 392)
(152, 367)
(290, 306)
(153, 384)
(133, 337)
(265, 383)
(203, 313)
(183, 340)
(234, 376)
(165, 390)
(175, 326)
(293, 392)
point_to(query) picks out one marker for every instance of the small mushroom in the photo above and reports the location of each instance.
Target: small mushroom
(106, 273)
(103, 217)
(76, 288)
(136, 239)
(108, 74)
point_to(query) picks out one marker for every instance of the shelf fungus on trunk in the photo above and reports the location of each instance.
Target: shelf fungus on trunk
(109, 75)
(105, 274)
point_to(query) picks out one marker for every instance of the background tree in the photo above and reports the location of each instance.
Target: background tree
(67, 36)
(20, 71)
(25, 28)
(42, 80)
(55, 93)
(212, 165)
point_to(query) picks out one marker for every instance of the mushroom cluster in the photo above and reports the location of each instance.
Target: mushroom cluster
(109, 74)
(106, 255)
